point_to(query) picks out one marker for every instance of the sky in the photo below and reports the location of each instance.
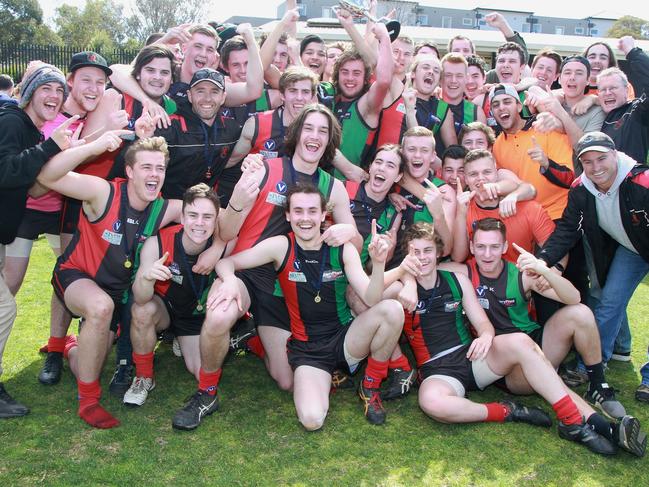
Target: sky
(223, 9)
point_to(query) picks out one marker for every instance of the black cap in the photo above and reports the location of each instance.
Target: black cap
(308, 40)
(89, 58)
(594, 141)
(576, 59)
(208, 74)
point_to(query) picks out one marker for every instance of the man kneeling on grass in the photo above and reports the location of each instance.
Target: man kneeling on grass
(167, 292)
(451, 362)
(324, 335)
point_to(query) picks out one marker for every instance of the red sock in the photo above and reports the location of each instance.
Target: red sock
(567, 411)
(70, 343)
(208, 381)
(89, 408)
(256, 347)
(375, 372)
(56, 344)
(143, 364)
(400, 363)
(496, 412)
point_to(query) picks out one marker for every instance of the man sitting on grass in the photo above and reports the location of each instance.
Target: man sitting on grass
(451, 361)
(504, 291)
(324, 335)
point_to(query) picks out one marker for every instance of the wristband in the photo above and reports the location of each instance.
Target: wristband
(230, 205)
(559, 267)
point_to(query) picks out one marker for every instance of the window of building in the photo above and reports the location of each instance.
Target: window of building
(468, 22)
(447, 22)
(594, 32)
(559, 30)
(422, 19)
(579, 31)
(537, 28)
(301, 8)
(327, 13)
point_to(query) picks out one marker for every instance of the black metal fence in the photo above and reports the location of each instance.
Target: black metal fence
(15, 58)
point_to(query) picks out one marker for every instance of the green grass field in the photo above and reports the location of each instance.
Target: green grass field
(255, 438)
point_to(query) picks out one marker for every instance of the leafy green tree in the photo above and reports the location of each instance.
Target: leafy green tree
(101, 20)
(151, 16)
(629, 26)
(22, 21)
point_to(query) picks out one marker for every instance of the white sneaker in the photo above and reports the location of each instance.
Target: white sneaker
(139, 390)
(175, 348)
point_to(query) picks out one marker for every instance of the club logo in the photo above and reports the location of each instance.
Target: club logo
(117, 224)
(92, 57)
(481, 290)
(269, 144)
(281, 187)
(296, 265)
(351, 205)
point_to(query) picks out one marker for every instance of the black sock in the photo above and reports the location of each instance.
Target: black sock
(601, 426)
(595, 375)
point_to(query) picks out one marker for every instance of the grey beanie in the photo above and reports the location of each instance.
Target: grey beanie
(46, 73)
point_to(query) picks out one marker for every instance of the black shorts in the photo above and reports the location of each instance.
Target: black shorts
(267, 309)
(455, 365)
(70, 215)
(327, 354)
(537, 336)
(61, 280)
(36, 223)
(182, 325)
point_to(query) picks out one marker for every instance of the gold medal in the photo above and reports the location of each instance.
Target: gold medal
(317, 298)
(128, 263)
(199, 307)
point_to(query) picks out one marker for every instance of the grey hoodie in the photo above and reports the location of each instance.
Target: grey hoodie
(608, 205)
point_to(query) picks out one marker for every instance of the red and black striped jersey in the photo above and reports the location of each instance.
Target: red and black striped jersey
(267, 218)
(437, 324)
(268, 139)
(100, 248)
(315, 314)
(392, 124)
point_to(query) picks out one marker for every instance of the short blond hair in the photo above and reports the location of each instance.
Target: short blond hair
(150, 144)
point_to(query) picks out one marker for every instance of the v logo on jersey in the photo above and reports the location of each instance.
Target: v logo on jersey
(116, 225)
(281, 187)
(269, 144)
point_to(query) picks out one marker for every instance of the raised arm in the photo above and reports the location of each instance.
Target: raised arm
(240, 93)
(371, 104)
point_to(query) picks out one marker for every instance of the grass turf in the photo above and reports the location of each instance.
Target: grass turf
(255, 439)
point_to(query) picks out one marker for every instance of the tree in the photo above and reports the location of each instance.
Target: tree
(22, 21)
(629, 26)
(151, 16)
(101, 22)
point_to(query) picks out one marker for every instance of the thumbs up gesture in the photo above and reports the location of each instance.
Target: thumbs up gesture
(537, 154)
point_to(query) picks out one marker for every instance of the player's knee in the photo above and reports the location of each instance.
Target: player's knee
(523, 344)
(215, 327)
(434, 406)
(284, 380)
(582, 317)
(392, 312)
(142, 314)
(101, 310)
(312, 420)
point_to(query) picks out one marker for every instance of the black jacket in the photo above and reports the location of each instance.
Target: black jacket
(22, 155)
(628, 125)
(580, 218)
